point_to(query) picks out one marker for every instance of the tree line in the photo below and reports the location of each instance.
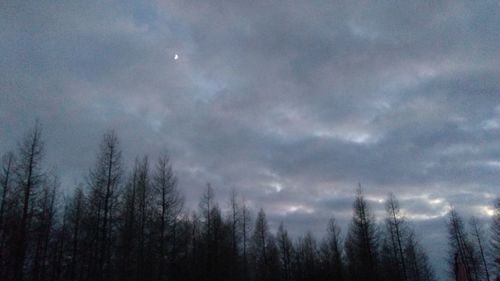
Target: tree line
(121, 225)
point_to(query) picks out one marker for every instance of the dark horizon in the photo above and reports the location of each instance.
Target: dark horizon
(38, 212)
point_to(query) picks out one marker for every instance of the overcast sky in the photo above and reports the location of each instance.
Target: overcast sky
(291, 103)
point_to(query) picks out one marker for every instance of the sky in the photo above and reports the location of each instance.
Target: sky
(291, 103)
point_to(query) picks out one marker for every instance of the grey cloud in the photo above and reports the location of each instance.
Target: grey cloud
(290, 103)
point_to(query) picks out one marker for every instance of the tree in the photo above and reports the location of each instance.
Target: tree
(388, 265)
(104, 184)
(75, 212)
(245, 225)
(206, 205)
(362, 242)
(58, 244)
(29, 177)
(306, 258)
(43, 225)
(234, 222)
(285, 247)
(331, 253)
(6, 182)
(143, 219)
(216, 238)
(418, 265)
(168, 204)
(128, 231)
(495, 238)
(261, 248)
(196, 258)
(6, 185)
(395, 226)
(461, 248)
(477, 234)
(142, 232)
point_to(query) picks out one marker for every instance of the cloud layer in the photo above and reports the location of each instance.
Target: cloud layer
(292, 103)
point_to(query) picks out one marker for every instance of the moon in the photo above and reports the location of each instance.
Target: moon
(176, 56)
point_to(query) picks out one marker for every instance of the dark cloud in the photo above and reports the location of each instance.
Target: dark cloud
(290, 103)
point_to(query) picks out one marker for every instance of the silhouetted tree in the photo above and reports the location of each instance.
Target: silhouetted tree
(206, 205)
(388, 266)
(478, 244)
(395, 227)
(461, 248)
(234, 221)
(128, 232)
(144, 219)
(332, 264)
(285, 247)
(6, 185)
(495, 238)
(57, 248)
(74, 214)
(418, 265)
(264, 252)
(140, 231)
(6, 182)
(168, 206)
(362, 242)
(30, 177)
(44, 217)
(104, 184)
(245, 226)
(306, 260)
(215, 238)
(196, 253)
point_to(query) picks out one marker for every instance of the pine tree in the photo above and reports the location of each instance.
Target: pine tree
(261, 253)
(461, 248)
(128, 230)
(245, 228)
(104, 182)
(234, 221)
(168, 204)
(478, 242)
(75, 213)
(418, 264)
(206, 205)
(29, 177)
(44, 218)
(395, 227)
(285, 247)
(6, 183)
(6, 203)
(331, 253)
(362, 243)
(307, 258)
(495, 238)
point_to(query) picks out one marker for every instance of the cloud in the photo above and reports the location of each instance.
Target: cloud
(291, 103)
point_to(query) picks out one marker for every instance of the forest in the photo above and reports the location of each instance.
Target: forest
(132, 225)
